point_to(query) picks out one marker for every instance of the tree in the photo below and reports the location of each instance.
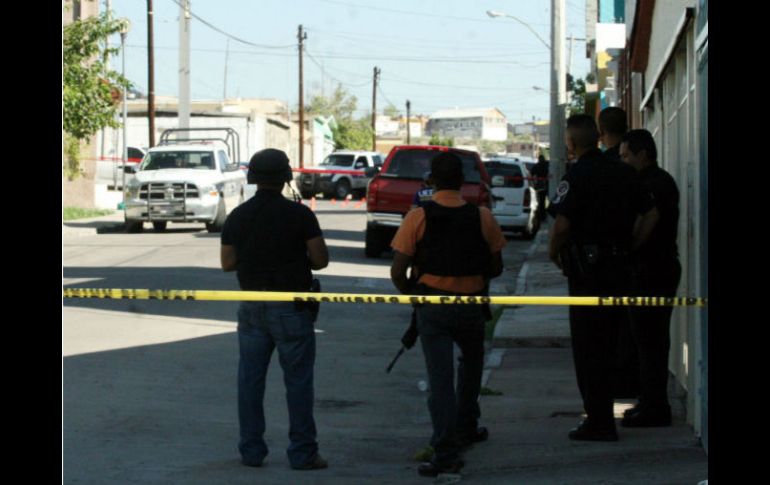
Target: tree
(578, 100)
(390, 111)
(436, 140)
(351, 133)
(91, 93)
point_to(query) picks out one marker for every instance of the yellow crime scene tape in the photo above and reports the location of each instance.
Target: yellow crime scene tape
(216, 295)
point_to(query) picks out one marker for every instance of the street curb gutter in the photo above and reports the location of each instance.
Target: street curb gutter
(545, 341)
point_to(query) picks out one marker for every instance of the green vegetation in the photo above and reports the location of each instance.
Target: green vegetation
(438, 141)
(71, 213)
(485, 391)
(489, 330)
(91, 93)
(351, 133)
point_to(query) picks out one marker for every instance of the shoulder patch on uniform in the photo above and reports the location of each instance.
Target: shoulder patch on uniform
(561, 191)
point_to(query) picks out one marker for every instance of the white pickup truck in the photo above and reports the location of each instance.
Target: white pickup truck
(185, 179)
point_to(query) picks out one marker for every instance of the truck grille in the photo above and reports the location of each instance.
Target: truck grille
(168, 191)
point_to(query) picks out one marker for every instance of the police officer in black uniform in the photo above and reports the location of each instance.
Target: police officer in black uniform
(597, 204)
(656, 273)
(273, 244)
(613, 124)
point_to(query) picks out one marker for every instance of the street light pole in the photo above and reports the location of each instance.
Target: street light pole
(558, 84)
(558, 95)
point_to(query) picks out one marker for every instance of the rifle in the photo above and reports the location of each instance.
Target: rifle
(410, 336)
(407, 340)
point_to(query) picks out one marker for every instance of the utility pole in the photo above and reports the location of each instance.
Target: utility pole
(377, 72)
(408, 117)
(301, 36)
(150, 76)
(184, 64)
(227, 57)
(558, 94)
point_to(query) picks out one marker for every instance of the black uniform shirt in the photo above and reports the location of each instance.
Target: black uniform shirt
(661, 245)
(613, 153)
(269, 233)
(601, 198)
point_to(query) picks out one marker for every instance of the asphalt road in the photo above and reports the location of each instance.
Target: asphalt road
(150, 386)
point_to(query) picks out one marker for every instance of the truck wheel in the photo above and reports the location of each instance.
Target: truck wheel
(375, 242)
(342, 188)
(219, 221)
(159, 226)
(133, 226)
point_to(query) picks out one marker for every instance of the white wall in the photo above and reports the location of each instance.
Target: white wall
(671, 116)
(665, 17)
(251, 134)
(497, 132)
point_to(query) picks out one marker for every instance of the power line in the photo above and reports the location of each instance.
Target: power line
(379, 88)
(488, 88)
(226, 34)
(369, 58)
(389, 41)
(411, 12)
(313, 59)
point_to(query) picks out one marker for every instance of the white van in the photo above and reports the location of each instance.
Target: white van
(515, 197)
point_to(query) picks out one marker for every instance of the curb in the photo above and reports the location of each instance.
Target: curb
(539, 341)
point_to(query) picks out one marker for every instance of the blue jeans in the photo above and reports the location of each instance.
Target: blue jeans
(263, 326)
(453, 414)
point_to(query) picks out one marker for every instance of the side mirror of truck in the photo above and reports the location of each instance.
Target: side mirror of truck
(129, 169)
(371, 171)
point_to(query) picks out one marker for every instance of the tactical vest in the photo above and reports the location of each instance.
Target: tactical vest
(453, 244)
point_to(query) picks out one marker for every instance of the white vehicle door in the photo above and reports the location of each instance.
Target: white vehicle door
(361, 164)
(233, 180)
(512, 190)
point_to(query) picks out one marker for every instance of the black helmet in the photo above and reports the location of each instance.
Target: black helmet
(269, 166)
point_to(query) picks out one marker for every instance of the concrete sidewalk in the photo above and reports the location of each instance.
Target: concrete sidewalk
(91, 226)
(531, 365)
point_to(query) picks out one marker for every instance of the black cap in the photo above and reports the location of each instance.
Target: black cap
(269, 166)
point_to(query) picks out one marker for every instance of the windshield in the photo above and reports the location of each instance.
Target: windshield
(512, 173)
(412, 164)
(164, 160)
(339, 160)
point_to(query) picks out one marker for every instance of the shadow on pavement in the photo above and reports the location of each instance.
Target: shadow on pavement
(167, 413)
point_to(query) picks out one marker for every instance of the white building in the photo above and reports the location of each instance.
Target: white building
(478, 124)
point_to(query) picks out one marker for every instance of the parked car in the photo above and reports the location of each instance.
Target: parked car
(391, 191)
(339, 185)
(515, 197)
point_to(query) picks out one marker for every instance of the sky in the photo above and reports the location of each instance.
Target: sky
(436, 53)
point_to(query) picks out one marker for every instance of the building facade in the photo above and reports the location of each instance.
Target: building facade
(471, 124)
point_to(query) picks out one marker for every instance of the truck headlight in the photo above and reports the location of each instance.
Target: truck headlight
(208, 190)
(132, 189)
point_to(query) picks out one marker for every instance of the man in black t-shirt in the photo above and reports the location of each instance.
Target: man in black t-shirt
(273, 244)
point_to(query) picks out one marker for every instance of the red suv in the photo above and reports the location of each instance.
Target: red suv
(390, 193)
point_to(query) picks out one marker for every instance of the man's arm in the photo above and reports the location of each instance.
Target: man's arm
(401, 263)
(643, 227)
(559, 237)
(496, 265)
(317, 252)
(227, 257)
